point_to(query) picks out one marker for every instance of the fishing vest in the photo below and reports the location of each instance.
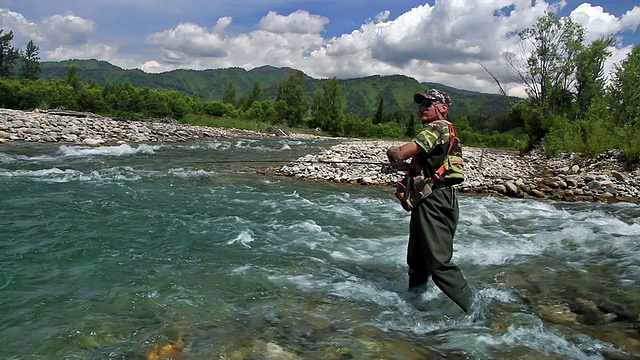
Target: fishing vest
(440, 164)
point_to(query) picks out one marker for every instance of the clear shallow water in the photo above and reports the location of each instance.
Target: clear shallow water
(107, 251)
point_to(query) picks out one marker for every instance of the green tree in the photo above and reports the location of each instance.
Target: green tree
(549, 49)
(282, 110)
(257, 111)
(89, 98)
(411, 126)
(590, 77)
(356, 103)
(31, 66)
(215, 108)
(256, 94)
(73, 78)
(379, 116)
(9, 93)
(326, 111)
(291, 91)
(625, 100)
(229, 95)
(44, 93)
(8, 54)
(391, 106)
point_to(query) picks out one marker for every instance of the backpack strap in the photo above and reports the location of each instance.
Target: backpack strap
(444, 167)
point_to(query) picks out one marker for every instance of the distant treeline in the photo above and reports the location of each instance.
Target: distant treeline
(288, 108)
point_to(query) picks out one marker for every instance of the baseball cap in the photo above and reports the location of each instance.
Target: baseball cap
(432, 95)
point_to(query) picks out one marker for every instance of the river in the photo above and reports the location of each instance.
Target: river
(109, 252)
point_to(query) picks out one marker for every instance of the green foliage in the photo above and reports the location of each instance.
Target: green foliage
(548, 69)
(534, 119)
(256, 94)
(291, 100)
(355, 127)
(360, 96)
(561, 137)
(229, 96)
(54, 93)
(596, 130)
(10, 93)
(410, 131)
(217, 108)
(624, 99)
(590, 77)
(73, 79)
(31, 67)
(8, 54)
(378, 117)
(327, 108)
(89, 98)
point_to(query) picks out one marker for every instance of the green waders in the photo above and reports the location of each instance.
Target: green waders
(433, 224)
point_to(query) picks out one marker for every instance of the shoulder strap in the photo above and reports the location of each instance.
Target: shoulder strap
(443, 168)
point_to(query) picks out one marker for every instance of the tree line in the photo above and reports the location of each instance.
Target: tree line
(571, 106)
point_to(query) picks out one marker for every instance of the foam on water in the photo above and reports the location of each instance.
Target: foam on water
(538, 338)
(175, 239)
(120, 150)
(244, 238)
(188, 174)
(6, 158)
(105, 175)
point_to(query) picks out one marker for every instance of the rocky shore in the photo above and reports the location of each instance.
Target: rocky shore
(488, 171)
(353, 161)
(91, 129)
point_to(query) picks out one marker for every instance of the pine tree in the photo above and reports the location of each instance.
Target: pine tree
(411, 126)
(31, 66)
(73, 78)
(8, 54)
(327, 107)
(377, 119)
(229, 95)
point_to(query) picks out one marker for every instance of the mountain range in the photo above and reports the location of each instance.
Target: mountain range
(362, 95)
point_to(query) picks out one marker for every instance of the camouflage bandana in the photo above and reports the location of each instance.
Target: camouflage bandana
(432, 95)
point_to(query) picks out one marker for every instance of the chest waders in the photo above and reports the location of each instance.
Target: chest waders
(434, 219)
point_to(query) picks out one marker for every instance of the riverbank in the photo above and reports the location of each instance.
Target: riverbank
(488, 171)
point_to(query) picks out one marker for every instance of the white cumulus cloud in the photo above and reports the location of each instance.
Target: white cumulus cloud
(631, 19)
(188, 40)
(298, 22)
(68, 29)
(23, 29)
(446, 41)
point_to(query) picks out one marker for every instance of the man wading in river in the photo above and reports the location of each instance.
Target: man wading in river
(436, 164)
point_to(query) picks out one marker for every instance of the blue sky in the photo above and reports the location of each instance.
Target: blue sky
(443, 41)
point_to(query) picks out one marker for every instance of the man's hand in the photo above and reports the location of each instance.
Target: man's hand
(398, 154)
(393, 154)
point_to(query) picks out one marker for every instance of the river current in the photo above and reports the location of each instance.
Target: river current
(108, 251)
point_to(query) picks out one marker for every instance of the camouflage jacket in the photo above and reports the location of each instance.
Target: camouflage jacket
(434, 139)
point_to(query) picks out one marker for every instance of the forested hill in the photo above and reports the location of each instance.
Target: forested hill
(362, 95)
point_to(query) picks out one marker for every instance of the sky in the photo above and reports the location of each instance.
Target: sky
(445, 41)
